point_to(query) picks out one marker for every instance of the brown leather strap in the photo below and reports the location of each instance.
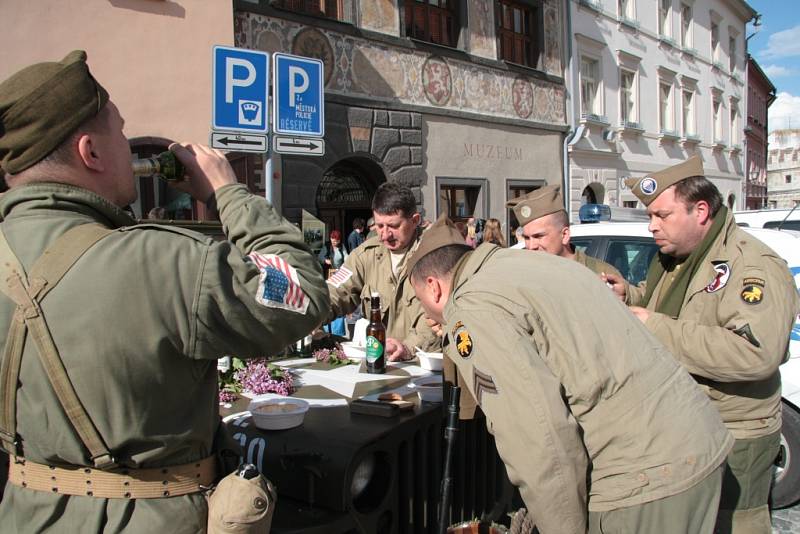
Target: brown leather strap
(149, 483)
(27, 293)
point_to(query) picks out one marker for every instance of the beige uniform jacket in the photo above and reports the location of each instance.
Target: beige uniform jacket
(369, 268)
(734, 347)
(596, 265)
(140, 321)
(588, 409)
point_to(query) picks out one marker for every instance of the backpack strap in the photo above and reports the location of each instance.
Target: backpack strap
(27, 292)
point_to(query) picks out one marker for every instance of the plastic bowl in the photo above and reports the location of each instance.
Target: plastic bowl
(432, 361)
(429, 388)
(351, 350)
(278, 414)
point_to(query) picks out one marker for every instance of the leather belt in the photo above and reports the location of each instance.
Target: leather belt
(150, 483)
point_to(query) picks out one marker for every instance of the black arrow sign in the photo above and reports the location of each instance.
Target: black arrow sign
(310, 145)
(227, 141)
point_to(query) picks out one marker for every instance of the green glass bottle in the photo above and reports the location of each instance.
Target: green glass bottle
(164, 166)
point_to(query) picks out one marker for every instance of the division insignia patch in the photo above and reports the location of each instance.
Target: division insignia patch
(752, 280)
(482, 383)
(752, 294)
(463, 340)
(720, 279)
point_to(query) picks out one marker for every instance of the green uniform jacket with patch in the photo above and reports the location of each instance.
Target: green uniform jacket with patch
(588, 409)
(733, 347)
(369, 268)
(140, 321)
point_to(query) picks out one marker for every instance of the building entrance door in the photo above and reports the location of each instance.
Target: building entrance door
(345, 192)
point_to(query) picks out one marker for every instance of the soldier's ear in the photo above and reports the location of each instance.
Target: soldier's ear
(88, 152)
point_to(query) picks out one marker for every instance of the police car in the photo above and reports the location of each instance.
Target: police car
(629, 247)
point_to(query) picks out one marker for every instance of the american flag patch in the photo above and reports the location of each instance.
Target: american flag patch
(278, 286)
(341, 276)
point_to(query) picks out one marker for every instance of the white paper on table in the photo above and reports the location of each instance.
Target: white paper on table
(360, 333)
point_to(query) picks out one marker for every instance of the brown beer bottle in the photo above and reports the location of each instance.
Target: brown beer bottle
(376, 337)
(164, 166)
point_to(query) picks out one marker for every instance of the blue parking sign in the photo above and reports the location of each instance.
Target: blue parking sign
(298, 96)
(240, 86)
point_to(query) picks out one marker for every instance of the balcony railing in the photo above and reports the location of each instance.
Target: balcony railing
(591, 4)
(593, 117)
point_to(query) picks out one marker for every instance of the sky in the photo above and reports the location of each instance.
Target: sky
(776, 47)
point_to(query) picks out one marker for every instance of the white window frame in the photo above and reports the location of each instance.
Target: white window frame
(626, 10)
(669, 112)
(715, 22)
(733, 47)
(596, 107)
(687, 34)
(664, 25)
(734, 119)
(634, 97)
(717, 110)
(689, 133)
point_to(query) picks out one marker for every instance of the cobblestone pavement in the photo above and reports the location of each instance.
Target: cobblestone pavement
(786, 521)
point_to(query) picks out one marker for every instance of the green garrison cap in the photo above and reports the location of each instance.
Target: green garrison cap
(440, 234)
(649, 187)
(43, 104)
(537, 203)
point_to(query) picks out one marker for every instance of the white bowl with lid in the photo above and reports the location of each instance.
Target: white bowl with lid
(431, 361)
(429, 388)
(278, 413)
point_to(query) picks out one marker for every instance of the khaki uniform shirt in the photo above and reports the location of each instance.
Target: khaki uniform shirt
(733, 346)
(596, 265)
(369, 268)
(140, 321)
(588, 409)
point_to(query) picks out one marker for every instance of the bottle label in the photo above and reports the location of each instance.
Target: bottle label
(374, 349)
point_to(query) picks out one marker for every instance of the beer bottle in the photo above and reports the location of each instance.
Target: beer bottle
(164, 166)
(376, 337)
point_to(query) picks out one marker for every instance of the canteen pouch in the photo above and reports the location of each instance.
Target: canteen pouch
(241, 506)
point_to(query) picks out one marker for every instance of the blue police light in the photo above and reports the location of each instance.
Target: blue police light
(592, 213)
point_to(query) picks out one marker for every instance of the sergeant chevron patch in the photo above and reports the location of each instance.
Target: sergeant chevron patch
(481, 382)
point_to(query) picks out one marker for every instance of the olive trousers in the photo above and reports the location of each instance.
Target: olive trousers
(690, 512)
(743, 508)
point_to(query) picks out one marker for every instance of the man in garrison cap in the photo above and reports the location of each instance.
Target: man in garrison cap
(545, 227)
(632, 442)
(724, 304)
(109, 377)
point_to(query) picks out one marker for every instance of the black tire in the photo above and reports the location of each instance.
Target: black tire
(786, 481)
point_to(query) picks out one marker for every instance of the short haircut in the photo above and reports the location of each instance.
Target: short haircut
(392, 198)
(439, 262)
(697, 188)
(560, 219)
(358, 223)
(64, 154)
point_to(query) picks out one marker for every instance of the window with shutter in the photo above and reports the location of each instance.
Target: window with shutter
(435, 21)
(519, 29)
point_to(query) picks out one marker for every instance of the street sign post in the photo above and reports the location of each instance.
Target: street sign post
(298, 96)
(301, 146)
(239, 142)
(240, 89)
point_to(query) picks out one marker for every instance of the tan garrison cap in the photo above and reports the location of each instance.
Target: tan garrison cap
(440, 234)
(538, 203)
(649, 187)
(43, 104)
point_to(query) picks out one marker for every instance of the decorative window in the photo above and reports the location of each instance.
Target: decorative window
(714, 41)
(716, 108)
(689, 129)
(731, 54)
(519, 32)
(627, 97)
(686, 26)
(590, 82)
(666, 113)
(435, 21)
(625, 9)
(332, 9)
(734, 124)
(663, 18)
(787, 179)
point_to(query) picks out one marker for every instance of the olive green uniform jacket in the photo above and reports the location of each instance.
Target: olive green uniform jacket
(589, 410)
(369, 268)
(733, 347)
(140, 321)
(596, 265)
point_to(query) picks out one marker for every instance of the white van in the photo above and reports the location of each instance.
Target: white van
(630, 247)
(788, 219)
